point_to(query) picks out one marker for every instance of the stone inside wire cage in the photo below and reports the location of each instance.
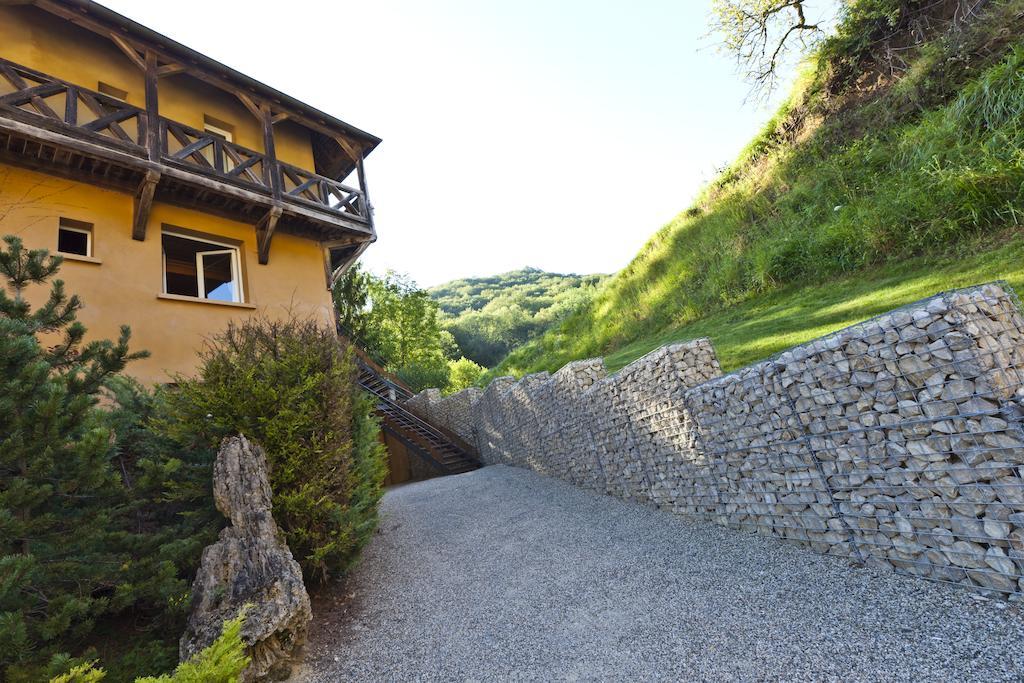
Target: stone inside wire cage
(896, 442)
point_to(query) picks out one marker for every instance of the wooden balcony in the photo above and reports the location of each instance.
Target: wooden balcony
(60, 128)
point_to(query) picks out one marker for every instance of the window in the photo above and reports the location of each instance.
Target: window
(219, 129)
(112, 91)
(74, 237)
(202, 269)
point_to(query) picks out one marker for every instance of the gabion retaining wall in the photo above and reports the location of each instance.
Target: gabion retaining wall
(896, 443)
(454, 412)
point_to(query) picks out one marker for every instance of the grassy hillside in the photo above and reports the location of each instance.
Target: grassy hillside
(489, 316)
(883, 179)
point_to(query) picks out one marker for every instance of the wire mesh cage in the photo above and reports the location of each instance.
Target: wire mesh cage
(896, 442)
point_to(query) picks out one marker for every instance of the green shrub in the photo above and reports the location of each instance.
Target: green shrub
(290, 386)
(59, 560)
(104, 511)
(464, 374)
(222, 662)
(100, 523)
(168, 514)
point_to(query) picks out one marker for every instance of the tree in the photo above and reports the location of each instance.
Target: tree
(760, 34)
(59, 570)
(491, 316)
(398, 325)
(352, 299)
(464, 374)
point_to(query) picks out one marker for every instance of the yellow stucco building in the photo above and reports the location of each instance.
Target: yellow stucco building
(181, 193)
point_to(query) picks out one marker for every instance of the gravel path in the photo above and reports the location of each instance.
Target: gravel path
(503, 574)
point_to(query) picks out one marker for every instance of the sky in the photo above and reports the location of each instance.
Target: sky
(558, 134)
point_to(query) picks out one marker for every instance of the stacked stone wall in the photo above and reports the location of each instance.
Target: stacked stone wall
(453, 412)
(896, 443)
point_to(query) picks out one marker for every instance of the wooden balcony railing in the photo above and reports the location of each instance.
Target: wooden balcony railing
(55, 100)
(317, 189)
(83, 112)
(211, 153)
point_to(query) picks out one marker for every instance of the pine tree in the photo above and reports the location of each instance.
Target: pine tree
(57, 573)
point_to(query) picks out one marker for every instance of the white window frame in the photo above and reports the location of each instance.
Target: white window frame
(88, 239)
(236, 265)
(217, 130)
(227, 135)
(235, 272)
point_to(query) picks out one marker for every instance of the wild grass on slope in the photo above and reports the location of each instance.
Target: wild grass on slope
(934, 186)
(771, 323)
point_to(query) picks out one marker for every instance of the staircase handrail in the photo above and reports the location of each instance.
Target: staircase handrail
(366, 359)
(464, 448)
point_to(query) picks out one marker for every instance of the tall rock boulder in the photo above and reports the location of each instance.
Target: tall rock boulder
(250, 564)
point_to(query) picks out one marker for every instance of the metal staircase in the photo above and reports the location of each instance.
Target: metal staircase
(445, 452)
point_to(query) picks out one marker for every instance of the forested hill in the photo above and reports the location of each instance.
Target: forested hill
(489, 316)
(895, 170)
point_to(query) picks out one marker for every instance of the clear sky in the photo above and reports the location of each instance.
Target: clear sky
(558, 134)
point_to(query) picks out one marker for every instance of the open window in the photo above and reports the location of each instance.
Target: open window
(74, 237)
(202, 269)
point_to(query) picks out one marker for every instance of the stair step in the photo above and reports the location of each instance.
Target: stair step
(431, 443)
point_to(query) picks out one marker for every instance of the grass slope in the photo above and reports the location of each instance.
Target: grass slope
(768, 324)
(850, 202)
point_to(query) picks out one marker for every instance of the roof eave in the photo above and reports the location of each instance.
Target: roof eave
(188, 55)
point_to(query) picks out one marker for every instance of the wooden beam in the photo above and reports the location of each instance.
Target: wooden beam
(270, 151)
(112, 150)
(256, 108)
(361, 170)
(152, 141)
(250, 104)
(57, 134)
(336, 274)
(265, 232)
(170, 69)
(130, 50)
(143, 204)
(348, 148)
(31, 93)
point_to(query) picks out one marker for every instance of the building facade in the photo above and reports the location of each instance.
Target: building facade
(182, 194)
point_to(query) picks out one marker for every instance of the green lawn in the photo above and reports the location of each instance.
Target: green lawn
(765, 325)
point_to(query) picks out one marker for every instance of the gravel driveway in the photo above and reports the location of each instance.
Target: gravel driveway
(502, 574)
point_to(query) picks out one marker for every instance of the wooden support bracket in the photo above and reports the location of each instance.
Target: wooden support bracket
(132, 52)
(334, 274)
(144, 204)
(250, 104)
(170, 69)
(140, 56)
(265, 232)
(351, 150)
(258, 109)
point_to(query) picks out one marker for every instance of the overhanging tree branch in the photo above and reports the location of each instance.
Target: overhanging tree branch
(759, 33)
